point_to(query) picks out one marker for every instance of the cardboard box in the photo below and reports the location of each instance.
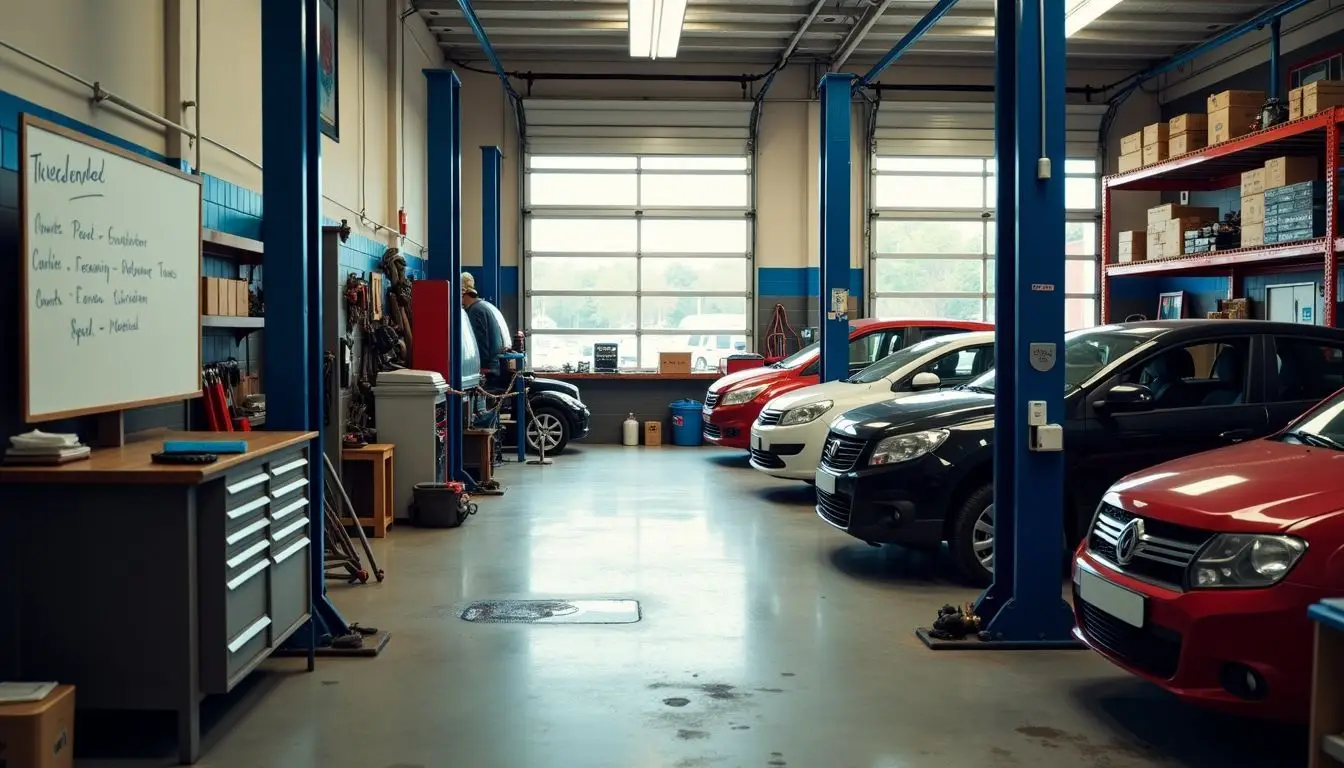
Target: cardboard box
(1295, 104)
(1253, 182)
(1132, 246)
(1131, 143)
(39, 734)
(1252, 235)
(1282, 171)
(228, 298)
(1225, 99)
(1155, 134)
(653, 433)
(1186, 143)
(1154, 153)
(674, 362)
(1131, 161)
(1162, 213)
(1232, 123)
(1193, 122)
(1253, 209)
(211, 296)
(1320, 96)
(244, 299)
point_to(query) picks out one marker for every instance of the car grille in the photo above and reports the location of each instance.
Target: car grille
(712, 431)
(711, 399)
(766, 459)
(1163, 552)
(841, 454)
(1155, 650)
(834, 509)
(769, 418)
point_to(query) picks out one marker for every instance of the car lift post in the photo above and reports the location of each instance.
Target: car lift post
(489, 283)
(836, 95)
(444, 177)
(292, 258)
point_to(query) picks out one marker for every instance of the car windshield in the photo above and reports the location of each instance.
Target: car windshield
(799, 357)
(898, 360)
(1322, 427)
(1085, 354)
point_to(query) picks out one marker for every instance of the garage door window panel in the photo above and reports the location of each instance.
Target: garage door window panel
(695, 190)
(946, 308)
(929, 237)
(708, 274)
(914, 191)
(582, 162)
(553, 350)
(582, 189)
(590, 274)
(693, 236)
(699, 314)
(575, 235)
(929, 275)
(584, 312)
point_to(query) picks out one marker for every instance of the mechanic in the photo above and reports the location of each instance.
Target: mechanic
(491, 336)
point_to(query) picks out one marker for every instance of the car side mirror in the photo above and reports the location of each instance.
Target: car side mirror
(925, 381)
(1126, 398)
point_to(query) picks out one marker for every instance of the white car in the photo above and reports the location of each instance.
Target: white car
(788, 436)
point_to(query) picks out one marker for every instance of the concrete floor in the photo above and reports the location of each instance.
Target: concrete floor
(768, 639)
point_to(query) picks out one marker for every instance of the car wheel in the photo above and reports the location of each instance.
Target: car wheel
(547, 428)
(972, 540)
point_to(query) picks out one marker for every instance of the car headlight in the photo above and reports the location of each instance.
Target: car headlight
(805, 413)
(894, 450)
(1245, 561)
(740, 396)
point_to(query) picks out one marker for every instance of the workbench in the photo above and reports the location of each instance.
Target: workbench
(1326, 748)
(611, 396)
(149, 586)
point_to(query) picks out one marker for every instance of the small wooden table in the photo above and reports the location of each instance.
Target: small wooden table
(478, 452)
(379, 456)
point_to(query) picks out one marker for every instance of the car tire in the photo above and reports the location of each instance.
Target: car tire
(554, 424)
(969, 536)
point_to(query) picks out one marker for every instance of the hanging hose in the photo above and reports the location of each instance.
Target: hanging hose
(777, 337)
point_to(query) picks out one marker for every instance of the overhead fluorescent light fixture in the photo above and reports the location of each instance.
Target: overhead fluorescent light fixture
(1080, 13)
(655, 28)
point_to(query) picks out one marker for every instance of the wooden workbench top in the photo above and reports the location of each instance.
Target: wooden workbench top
(132, 464)
(646, 376)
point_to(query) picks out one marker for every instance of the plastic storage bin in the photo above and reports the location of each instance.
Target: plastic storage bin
(687, 422)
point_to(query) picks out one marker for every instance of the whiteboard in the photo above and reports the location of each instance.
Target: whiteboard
(111, 279)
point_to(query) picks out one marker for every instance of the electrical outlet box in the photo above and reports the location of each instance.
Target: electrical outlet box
(1036, 416)
(1047, 438)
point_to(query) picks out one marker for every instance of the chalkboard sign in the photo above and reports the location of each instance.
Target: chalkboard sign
(111, 279)
(605, 355)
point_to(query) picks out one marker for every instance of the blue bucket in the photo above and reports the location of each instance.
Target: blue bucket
(686, 422)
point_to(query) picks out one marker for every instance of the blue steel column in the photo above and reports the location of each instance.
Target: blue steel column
(444, 182)
(836, 221)
(1036, 613)
(489, 284)
(1275, 76)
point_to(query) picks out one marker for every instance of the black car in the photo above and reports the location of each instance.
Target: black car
(920, 470)
(558, 415)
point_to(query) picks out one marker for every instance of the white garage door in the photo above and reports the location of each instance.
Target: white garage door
(933, 194)
(638, 230)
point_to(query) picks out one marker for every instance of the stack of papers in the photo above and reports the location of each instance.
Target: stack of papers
(38, 447)
(18, 693)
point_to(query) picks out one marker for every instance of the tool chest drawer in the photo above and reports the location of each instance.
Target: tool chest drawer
(246, 594)
(290, 582)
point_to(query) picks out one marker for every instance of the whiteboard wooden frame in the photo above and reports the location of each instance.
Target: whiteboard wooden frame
(26, 120)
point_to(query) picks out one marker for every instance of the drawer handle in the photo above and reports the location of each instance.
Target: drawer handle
(247, 575)
(290, 550)
(249, 633)
(289, 509)
(243, 533)
(284, 489)
(243, 485)
(234, 514)
(289, 466)
(289, 529)
(246, 554)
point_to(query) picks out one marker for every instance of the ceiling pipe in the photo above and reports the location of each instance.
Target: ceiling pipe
(802, 30)
(857, 35)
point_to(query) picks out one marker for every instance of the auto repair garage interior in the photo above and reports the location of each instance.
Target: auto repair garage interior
(671, 383)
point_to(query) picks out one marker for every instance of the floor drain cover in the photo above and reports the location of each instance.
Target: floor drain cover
(553, 612)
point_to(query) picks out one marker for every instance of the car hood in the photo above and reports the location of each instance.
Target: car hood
(844, 395)
(748, 377)
(910, 414)
(1255, 487)
(553, 385)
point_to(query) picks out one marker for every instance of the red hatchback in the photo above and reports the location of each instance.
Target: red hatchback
(734, 401)
(1197, 573)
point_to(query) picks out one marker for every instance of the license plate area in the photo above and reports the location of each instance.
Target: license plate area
(1111, 599)
(759, 443)
(825, 481)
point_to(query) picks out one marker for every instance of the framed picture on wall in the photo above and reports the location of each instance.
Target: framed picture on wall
(328, 80)
(1171, 306)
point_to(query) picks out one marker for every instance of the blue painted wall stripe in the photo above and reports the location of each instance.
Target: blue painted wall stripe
(800, 281)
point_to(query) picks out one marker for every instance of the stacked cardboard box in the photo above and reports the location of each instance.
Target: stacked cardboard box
(1133, 246)
(1315, 97)
(1187, 133)
(1232, 309)
(1233, 114)
(223, 297)
(1131, 152)
(1154, 143)
(1258, 227)
(1167, 225)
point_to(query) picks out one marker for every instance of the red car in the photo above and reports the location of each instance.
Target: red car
(1197, 574)
(734, 401)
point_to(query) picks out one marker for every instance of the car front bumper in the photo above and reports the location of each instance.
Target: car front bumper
(730, 425)
(893, 504)
(791, 452)
(1201, 643)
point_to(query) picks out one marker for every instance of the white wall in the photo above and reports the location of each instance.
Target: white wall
(145, 52)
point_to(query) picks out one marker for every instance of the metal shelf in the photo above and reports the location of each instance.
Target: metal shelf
(1305, 252)
(233, 323)
(244, 250)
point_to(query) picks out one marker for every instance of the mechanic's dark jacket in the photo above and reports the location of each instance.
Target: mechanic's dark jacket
(488, 334)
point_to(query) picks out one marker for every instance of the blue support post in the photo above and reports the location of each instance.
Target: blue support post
(836, 221)
(444, 182)
(291, 156)
(935, 13)
(489, 284)
(1275, 76)
(1035, 615)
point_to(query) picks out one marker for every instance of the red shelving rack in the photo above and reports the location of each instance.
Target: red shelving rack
(1220, 167)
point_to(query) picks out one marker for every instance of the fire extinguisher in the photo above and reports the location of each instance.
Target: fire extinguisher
(401, 221)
